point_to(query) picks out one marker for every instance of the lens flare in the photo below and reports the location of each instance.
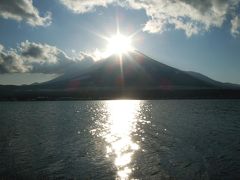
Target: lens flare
(119, 44)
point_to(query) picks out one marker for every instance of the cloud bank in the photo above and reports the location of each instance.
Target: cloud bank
(23, 10)
(191, 16)
(40, 58)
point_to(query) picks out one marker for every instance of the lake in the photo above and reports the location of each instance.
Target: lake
(120, 139)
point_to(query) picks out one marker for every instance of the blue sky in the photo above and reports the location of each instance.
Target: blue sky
(207, 42)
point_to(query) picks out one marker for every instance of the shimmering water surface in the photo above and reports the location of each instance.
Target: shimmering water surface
(120, 139)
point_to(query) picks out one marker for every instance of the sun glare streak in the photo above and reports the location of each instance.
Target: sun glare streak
(121, 124)
(119, 44)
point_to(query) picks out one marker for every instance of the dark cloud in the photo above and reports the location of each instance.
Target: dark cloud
(40, 58)
(23, 10)
(33, 51)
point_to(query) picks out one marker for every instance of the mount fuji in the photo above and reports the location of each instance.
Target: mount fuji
(132, 75)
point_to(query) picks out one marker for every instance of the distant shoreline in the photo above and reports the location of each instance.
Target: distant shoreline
(71, 95)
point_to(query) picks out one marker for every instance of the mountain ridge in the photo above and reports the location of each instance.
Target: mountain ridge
(135, 70)
(134, 75)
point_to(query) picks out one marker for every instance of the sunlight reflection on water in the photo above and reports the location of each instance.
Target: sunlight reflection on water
(121, 124)
(167, 139)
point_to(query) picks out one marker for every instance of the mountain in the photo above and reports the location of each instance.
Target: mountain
(133, 70)
(214, 82)
(133, 75)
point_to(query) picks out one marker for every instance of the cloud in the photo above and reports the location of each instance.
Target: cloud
(82, 6)
(23, 10)
(235, 26)
(191, 16)
(11, 62)
(40, 58)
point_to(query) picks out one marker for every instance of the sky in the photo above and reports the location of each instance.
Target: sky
(40, 40)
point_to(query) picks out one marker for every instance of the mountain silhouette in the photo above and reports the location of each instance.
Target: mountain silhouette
(132, 70)
(132, 75)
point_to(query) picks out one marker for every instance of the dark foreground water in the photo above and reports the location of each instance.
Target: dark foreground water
(167, 139)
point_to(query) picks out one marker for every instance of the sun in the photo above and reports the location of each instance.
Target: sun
(119, 44)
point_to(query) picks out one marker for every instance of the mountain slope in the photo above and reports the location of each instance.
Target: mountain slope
(134, 70)
(134, 76)
(214, 82)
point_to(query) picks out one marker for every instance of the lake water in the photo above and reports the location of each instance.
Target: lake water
(120, 139)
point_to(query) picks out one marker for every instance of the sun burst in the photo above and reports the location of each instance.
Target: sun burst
(119, 44)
